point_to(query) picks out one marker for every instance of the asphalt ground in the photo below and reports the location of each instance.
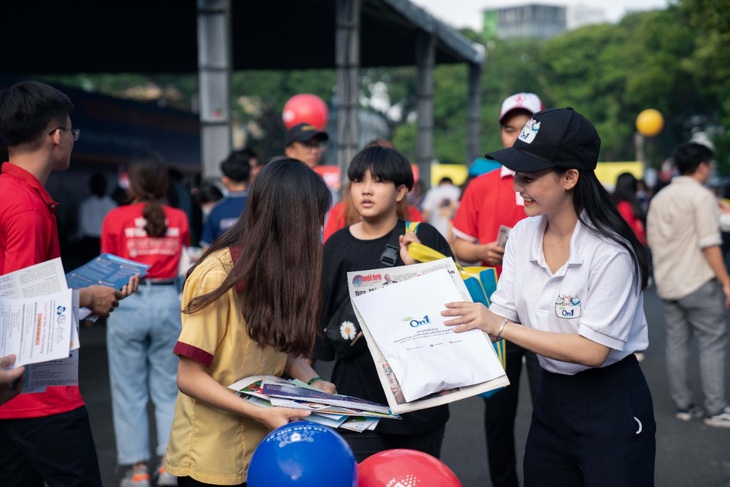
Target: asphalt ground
(689, 454)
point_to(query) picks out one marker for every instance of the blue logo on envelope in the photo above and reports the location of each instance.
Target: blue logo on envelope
(415, 323)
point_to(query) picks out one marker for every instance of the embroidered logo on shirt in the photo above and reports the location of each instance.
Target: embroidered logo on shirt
(567, 307)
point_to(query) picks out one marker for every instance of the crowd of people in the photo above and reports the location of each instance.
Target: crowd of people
(268, 296)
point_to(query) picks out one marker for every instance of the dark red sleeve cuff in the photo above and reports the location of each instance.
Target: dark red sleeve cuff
(193, 353)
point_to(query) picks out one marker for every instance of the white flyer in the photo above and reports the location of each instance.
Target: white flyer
(37, 329)
(34, 281)
(426, 355)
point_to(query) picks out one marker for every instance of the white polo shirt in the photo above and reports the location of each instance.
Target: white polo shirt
(592, 294)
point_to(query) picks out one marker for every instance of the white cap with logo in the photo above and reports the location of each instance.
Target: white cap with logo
(524, 101)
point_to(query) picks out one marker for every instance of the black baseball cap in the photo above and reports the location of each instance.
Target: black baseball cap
(304, 132)
(559, 137)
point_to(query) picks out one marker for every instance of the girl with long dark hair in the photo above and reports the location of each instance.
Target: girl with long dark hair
(571, 291)
(251, 307)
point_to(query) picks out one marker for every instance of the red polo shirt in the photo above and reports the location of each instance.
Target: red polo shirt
(29, 235)
(488, 202)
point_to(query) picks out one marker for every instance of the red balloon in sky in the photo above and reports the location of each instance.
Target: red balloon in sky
(405, 467)
(305, 108)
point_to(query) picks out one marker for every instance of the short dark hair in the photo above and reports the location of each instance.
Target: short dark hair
(247, 151)
(383, 163)
(687, 157)
(236, 166)
(97, 184)
(380, 143)
(27, 108)
(207, 193)
(512, 114)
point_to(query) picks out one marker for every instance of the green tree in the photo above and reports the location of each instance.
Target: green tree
(612, 72)
(710, 65)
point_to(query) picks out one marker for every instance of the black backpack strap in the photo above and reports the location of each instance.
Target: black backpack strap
(392, 248)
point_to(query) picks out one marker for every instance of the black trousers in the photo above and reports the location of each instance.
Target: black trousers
(57, 449)
(593, 429)
(499, 416)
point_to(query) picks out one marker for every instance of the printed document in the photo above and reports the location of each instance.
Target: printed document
(36, 329)
(361, 283)
(34, 282)
(105, 270)
(425, 355)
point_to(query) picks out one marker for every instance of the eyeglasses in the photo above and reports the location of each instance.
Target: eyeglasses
(75, 132)
(313, 144)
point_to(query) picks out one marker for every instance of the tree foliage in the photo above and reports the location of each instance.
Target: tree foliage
(674, 60)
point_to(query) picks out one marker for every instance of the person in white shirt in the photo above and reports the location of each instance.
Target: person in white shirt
(440, 204)
(683, 232)
(91, 215)
(571, 291)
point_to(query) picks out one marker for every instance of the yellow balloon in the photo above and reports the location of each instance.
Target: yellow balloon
(649, 122)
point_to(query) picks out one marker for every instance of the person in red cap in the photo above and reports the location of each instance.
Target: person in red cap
(571, 291)
(490, 202)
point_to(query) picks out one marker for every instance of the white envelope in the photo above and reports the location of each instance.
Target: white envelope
(425, 355)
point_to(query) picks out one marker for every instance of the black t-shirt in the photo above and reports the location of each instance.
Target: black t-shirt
(357, 376)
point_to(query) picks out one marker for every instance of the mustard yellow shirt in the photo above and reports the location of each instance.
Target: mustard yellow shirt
(207, 444)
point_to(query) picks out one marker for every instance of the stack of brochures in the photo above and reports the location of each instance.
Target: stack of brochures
(333, 410)
(105, 270)
(39, 315)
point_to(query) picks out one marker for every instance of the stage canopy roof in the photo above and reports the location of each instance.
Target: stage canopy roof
(150, 36)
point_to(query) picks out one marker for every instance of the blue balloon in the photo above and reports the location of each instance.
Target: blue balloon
(303, 454)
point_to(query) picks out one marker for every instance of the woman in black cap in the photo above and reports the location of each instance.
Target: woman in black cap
(571, 291)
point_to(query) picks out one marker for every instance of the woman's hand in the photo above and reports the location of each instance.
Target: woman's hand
(470, 316)
(275, 417)
(404, 241)
(325, 386)
(301, 368)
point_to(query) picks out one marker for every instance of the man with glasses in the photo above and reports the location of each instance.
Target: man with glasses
(46, 436)
(305, 142)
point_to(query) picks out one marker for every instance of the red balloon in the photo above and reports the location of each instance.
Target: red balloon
(305, 108)
(405, 467)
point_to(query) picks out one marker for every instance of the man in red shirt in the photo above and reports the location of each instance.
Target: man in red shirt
(490, 202)
(44, 436)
